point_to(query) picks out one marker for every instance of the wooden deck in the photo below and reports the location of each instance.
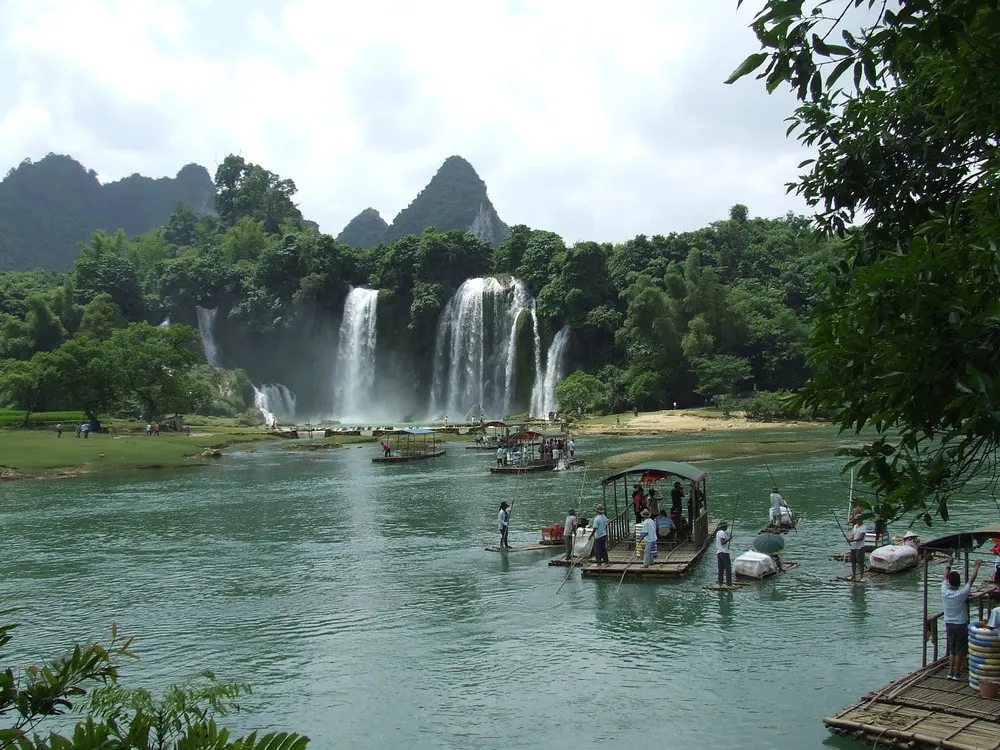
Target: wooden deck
(923, 710)
(407, 457)
(742, 582)
(671, 560)
(527, 548)
(529, 468)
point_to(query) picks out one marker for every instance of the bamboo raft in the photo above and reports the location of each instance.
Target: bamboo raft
(923, 709)
(670, 562)
(406, 457)
(528, 468)
(525, 548)
(742, 582)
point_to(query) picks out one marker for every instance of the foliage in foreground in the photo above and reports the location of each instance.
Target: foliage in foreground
(118, 718)
(898, 101)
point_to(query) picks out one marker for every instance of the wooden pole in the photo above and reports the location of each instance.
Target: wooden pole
(924, 631)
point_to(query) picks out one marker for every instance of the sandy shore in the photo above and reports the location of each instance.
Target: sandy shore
(679, 421)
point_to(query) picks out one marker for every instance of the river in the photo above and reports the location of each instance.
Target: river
(358, 601)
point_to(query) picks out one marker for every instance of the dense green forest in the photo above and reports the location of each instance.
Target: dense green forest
(679, 317)
(48, 207)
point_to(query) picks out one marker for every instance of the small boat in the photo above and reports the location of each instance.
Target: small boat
(526, 454)
(408, 447)
(490, 434)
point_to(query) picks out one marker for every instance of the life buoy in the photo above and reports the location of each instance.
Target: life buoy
(983, 669)
(989, 661)
(988, 645)
(986, 634)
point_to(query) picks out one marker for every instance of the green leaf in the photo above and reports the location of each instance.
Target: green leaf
(748, 66)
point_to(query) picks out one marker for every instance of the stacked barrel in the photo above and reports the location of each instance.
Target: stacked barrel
(984, 654)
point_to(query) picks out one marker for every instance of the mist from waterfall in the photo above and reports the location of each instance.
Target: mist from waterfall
(475, 349)
(206, 327)
(555, 371)
(355, 367)
(275, 402)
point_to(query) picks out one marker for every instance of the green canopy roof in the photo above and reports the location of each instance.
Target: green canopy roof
(660, 470)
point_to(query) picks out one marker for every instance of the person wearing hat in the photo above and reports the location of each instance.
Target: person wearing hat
(599, 533)
(676, 499)
(911, 540)
(725, 564)
(503, 520)
(649, 535)
(569, 529)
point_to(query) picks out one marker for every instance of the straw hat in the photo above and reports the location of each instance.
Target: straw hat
(909, 535)
(572, 511)
(646, 514)
(600, 508)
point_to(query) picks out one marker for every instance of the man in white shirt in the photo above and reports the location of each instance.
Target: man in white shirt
(955, 603)
(725, 563)
(503, 522)
(649, 536)
(777, 503)
(856, 540)
(569, 529)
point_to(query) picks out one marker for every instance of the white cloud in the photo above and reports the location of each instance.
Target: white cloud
(595, 121)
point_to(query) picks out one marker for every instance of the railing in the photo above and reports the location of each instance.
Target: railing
(931, 634)
(621, 527)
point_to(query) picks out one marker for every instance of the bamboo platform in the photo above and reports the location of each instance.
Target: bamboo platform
(742, 582)
(770, 529)
(532, 467)
(526, 548)
(923, 710)
(669, 562)
(406, 457)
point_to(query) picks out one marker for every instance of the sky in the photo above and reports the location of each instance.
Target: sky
(596, 120)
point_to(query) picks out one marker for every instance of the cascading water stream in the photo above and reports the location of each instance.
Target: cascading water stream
(475, 350)
(206, 327)
(355, 373)
(275, 402)
(555, 370)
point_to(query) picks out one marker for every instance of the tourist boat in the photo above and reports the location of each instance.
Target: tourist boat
(491, 432)
(411, 444)
(674, 557)
(526, 455)
(923, 708)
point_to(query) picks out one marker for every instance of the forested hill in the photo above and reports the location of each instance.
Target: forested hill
(455, 198)
(49, 206)
(367, 229)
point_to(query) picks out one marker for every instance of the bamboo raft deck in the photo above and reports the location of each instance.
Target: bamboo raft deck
(529, 468)
(742, 582)
(406, 457)
(528, 547)
(923, 709)
(670, 562)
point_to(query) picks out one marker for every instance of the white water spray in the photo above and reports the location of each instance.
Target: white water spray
(355, 373)
(275, 402)
(206, 327)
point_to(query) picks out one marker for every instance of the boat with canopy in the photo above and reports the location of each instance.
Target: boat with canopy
(410, 444)
(534, 450)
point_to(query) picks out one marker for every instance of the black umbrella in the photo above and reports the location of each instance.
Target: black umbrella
(768, 543)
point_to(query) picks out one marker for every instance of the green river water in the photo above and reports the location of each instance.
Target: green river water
(359, 602)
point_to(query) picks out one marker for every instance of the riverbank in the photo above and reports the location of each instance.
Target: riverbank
(677, 420)
(39, 453)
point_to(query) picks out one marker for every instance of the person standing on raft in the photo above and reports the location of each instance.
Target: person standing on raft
(649, 535)
(599, 533)
(503, 521)
(777, 503)
(856, 541)
(955, 603)
(569, 529)
(725, 563)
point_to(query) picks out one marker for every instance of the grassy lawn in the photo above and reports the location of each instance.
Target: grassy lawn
(38, 452)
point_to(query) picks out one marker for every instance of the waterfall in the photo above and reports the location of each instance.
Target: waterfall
(475, 349)
(206, 327)
(555, 370)
(275, 402)
(165, 323)
(355, 373)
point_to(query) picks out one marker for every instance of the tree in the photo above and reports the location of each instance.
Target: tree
(101, 317)
(26, 384)
(903, 340)
(721, 374)
(579, 391)
(103, 266)
(249, 190)
(119, 718)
